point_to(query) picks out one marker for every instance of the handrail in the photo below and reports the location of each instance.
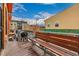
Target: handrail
(69, 42)
(57, 50)
(62, 33)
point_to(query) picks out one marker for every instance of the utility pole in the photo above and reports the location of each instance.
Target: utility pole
(37, 22)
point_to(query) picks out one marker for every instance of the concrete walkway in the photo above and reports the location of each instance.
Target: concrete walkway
(15, 48)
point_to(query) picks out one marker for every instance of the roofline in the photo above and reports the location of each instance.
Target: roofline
(59, 12)
(18, 21)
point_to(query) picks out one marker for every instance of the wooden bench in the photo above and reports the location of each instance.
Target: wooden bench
(67, 42)
(54, 49)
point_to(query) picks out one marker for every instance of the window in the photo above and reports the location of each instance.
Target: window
(11, 24)
(19, 25)
(48, 25)
(56, 24)
(12, 31)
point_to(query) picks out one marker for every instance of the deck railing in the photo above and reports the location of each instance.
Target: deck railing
(68, 42)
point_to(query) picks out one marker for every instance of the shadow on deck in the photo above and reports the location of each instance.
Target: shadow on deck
(15, 48)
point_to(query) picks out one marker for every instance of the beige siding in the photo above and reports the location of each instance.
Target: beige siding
(25, 26)
(13, 25)
(68, 19)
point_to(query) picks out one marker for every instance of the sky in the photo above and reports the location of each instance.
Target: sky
(37, 11)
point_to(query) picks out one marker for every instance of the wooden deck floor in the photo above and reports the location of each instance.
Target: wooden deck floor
(15, 48)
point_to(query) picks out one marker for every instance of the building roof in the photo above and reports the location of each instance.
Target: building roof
(60, 12)
(19, 21)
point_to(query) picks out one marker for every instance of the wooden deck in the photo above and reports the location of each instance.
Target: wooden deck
(15, 48)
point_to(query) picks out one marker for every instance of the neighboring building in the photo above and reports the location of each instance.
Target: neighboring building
(13, 25)
(23, 25)
(68, 19)
(17, 24)
(35, 28)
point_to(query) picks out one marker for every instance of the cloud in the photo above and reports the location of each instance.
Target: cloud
(41, 16)
(48, 3)
(45, 14)
(29, 21)
(18, 6)
(53, 4)
(37, 16)
(40, 22)
(16, 18)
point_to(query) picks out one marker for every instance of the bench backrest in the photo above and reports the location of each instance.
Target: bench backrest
(69, 42)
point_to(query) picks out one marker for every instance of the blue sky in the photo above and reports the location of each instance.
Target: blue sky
(33, 11)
